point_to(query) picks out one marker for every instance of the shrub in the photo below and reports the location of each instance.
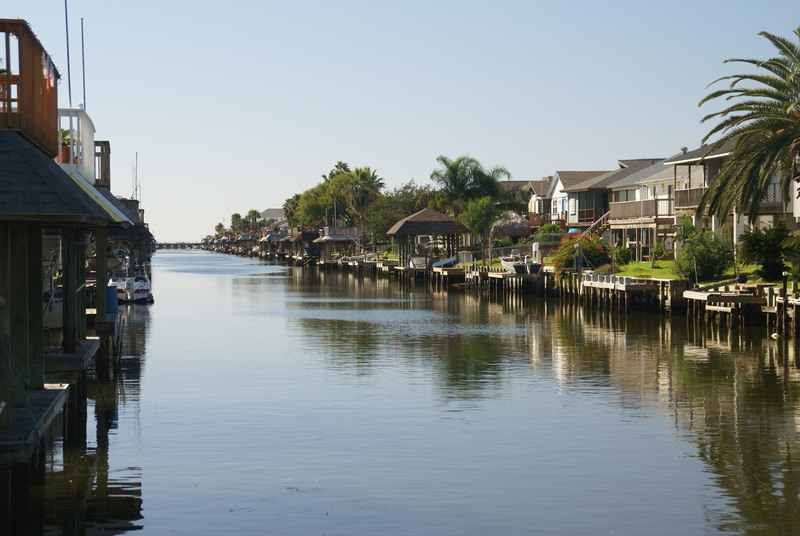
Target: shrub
(606, 269)
(622, 255)
(594, 251)
(549, 228)
(705, 255)
(657, 253)
(766, 248)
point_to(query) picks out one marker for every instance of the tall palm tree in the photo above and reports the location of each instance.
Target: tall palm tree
(464, 179)
(362, 189)
(763, 129)
(290, 208)
(252, 217)
(340, 168)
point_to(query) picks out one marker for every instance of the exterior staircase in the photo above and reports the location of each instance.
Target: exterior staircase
(599, 226)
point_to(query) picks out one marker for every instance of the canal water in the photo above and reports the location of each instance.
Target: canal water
(257, 399)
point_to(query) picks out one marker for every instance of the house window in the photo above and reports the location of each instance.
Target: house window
(572, 206)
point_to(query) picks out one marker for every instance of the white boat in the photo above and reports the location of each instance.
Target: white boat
(132, 289)
(519, 265)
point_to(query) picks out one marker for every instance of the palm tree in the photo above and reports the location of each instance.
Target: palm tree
(478, 217)
(340, 168)
(362, 190)
(763, 129)
(252, 217)
(290, 207)
(464, 179)
(765, 247)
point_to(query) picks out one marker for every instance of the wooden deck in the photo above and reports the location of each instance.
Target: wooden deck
(28, 425)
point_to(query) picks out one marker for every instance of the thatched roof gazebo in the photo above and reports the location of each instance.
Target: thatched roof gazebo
(427, 222)
(510, 224)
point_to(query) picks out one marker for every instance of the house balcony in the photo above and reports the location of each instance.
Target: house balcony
(647, 211)
(537, 220)
(28, 86)
(78, 152)
(587, 216)
(688, 198)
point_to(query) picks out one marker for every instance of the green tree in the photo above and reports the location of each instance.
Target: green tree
(220, 229)
(478, 217)
(290, 207)
(236, 223)
(252, 218)
(341, 168)
(765, 248)
(396, 204)
(704, 256)
(363, 188)
(763, 128)
(464, 179)
(312, 206)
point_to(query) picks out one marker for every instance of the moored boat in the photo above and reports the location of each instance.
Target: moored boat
(519, 265)
(132, 289)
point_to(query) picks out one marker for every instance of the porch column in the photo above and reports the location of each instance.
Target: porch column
(6, 383)
(19, 313)
(715, 225)
(35, 307)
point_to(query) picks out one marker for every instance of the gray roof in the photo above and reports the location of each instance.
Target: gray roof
(272, 213)
(427, 222)
(513, 185)
(34, 188)
(540, 187)
(703, 153)
(571, 178)
(602, 182)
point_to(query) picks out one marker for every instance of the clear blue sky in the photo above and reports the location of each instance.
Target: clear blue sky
(241, 104)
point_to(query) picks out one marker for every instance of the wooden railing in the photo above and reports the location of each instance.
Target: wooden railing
(638, 210)
(28, 87)
(588, 215)
(598, 224)
(689, 198)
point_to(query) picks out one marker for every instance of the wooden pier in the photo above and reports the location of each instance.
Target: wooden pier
(29, 424)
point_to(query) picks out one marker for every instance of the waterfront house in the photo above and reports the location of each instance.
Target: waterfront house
(589, 200)
(39, 199)
(641, 212)
(539, 202)
(697, 168)
(563, 207)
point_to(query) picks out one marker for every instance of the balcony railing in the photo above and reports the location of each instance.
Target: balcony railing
(647, 209)
(589, 215)
(28, 86)
(689, 198)
(78, 149)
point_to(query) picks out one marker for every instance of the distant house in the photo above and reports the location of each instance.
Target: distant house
(562, 207)
(592, 197)
(273, 214)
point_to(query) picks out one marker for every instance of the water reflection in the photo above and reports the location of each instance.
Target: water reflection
(84, 494)
(397, 409)
(732, 396)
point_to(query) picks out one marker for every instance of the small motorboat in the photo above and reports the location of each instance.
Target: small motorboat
(520, 265)
(132, 289)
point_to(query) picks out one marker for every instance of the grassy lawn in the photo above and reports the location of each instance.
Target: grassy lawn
(664, 270)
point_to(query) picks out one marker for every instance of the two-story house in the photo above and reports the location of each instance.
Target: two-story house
(695, 169)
